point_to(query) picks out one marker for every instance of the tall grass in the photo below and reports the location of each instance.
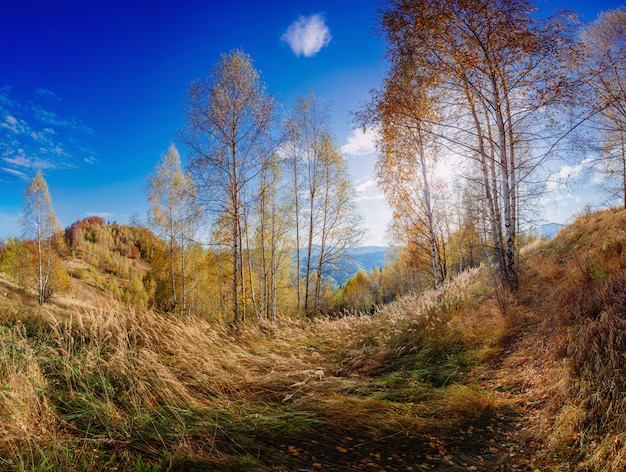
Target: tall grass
(577, 282)
(103, 385)
(114, 386)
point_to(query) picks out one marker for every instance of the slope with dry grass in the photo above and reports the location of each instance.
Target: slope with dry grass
(466, 378)
(111, 386)
(574, 289)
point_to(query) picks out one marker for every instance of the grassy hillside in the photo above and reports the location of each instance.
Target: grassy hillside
(467, 378)
(574, 291)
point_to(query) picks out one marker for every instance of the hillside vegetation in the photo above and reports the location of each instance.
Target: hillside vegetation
(469, 377)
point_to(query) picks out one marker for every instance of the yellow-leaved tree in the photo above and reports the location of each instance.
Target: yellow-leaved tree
(229, 121)
(174, 215)
(39, 222)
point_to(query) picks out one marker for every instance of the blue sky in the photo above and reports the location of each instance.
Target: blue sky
(92, 92)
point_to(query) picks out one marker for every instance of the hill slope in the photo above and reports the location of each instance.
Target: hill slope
(468, 378)
(574, 291)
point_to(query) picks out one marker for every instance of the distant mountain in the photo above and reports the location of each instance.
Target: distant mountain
(361, 258)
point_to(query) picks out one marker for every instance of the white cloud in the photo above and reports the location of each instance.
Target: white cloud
(14, 125)
(17, 173)
(29, 163)
(307, 35)
(365, 185)
(368, 191)
(34, 137)
(378, 196)
(58, 151)
(52, 119)
(565, 174)
(360, 142)
(103, 214)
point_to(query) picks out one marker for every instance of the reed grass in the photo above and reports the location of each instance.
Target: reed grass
(576, 286)
(108, 385)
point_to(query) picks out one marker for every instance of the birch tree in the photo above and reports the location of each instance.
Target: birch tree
(603, 46)
(408, 152)
(40, 223)
(175, 215)
(305, 129)
(497, 69)
(229, 114)
(338, 223)
(273, 241)
(325, 215)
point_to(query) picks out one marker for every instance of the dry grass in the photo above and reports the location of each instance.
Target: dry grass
(106, 385)
(576, 287)
(103, 385)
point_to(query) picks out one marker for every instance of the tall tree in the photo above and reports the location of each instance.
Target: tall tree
(229, 115)
(295, 146)
(272, 239)
(40, 223)
(326, 220)
(497, 66)
(174, 214)
(603, 46)
(404, 113)
(337, 221)
(305, 129)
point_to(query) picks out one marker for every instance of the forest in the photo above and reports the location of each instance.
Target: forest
(209, 334)
(265, 209)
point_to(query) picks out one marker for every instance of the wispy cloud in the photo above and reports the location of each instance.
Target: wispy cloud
(43, 137)
(103, 214)
(367, 191)
(307, 35)
(14, 172)
(52, 119)
(5, 98)
(365, 185)
(29, 162)
(48, 94)
(33, 136)
(365, 198)
(14, 125)
(566, 173)
(360, 142)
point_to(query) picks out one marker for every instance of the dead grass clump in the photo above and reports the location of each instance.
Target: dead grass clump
(607, 455)
(460, 403)
(24, 411)
(596, 352)
(176, 362)
(429, 323)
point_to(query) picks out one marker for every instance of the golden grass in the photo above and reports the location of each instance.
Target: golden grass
(102, 385)
(84, 385)
(575, 286)
(20, 381)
